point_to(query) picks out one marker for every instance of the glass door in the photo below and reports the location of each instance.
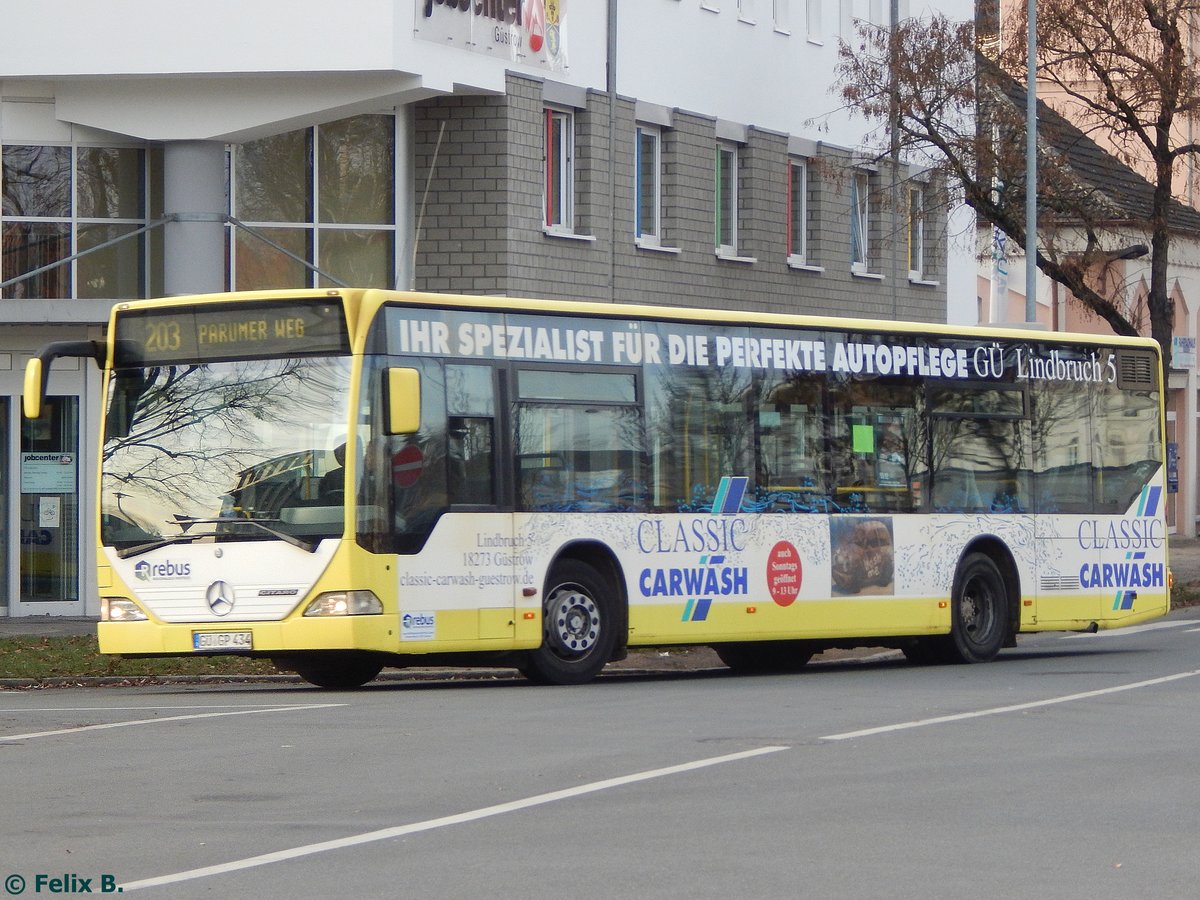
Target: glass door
(49, 471)
(6, 554)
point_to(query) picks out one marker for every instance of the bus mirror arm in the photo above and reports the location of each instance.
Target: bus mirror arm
(37, 370)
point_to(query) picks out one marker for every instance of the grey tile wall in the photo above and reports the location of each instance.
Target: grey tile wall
(480, 223)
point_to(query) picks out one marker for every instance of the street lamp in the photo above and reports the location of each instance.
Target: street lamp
(1031, 168)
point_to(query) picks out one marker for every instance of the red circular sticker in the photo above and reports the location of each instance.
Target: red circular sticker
(407, 465)
(784, 573)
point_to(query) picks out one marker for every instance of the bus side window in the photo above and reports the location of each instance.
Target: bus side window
(980, 449)
(469, 455)
(878, 445)
(470, 435)
(543, 480)
(790, 440)
(579, 441)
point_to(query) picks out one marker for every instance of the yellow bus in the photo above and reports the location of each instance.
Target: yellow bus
(348, 480)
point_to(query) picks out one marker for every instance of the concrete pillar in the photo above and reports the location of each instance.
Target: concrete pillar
(408, 196)
(194, 190)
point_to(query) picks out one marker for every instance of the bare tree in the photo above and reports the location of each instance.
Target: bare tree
(938, 89)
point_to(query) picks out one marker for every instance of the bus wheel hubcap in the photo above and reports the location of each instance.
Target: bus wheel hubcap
(573, 622)
(976, 609)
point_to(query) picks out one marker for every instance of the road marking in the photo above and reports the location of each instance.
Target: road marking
(474, 815)
(1132, 629)
(159, 721)
(9, 710)
(1016, 707)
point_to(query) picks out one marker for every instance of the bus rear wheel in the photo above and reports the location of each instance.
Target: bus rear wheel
(979, 623)
(336, 671)
(579, 626)
(756, 657)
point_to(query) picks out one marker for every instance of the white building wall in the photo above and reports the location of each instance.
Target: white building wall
(713, 56)
(233, 71)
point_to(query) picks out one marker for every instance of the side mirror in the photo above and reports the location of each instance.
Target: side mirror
(31, 399)
(37, 370)
(403, 395)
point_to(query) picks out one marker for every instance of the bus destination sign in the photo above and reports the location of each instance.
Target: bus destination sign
(231, 331)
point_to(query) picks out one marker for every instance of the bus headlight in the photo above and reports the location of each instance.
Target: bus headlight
(345, 603)
(120, 609)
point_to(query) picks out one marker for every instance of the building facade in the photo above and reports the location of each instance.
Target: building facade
(661, 151)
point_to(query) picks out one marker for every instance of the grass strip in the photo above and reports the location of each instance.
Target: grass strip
(79, 656)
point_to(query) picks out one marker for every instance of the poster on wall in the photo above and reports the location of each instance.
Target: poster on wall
(49, 512)
(48, 473)
(1183, 352)
(521, 31)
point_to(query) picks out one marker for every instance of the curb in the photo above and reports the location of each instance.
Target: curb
(399, 676)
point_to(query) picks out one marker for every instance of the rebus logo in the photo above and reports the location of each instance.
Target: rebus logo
(147, 571)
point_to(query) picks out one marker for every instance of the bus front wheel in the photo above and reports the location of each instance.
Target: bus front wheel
(979, 611)
(579, 626)
(337, 671)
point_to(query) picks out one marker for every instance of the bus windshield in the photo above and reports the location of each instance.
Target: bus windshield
(235, 450)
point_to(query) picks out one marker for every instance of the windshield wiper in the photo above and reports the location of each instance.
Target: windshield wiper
(138, 549)
(187, 522)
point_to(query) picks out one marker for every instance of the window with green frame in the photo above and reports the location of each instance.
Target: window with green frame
(726, 185)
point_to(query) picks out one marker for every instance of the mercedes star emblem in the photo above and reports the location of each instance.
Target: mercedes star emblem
(220, 598)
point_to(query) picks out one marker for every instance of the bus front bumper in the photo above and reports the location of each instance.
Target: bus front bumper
(372, 633)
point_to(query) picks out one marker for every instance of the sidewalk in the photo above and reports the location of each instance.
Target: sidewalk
(1184, 561)
(55, 626)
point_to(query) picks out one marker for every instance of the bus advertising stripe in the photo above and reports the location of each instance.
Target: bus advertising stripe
(722, 493)
(1148, 502)
(730, 492)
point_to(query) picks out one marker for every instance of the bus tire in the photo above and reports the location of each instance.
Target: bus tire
(579, 629)
(979, 611)
(335, 671)
(759, 657)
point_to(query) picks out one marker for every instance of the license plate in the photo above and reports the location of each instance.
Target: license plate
(222, 640)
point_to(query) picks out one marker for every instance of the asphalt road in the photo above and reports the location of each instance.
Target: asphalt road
(1064, 769)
